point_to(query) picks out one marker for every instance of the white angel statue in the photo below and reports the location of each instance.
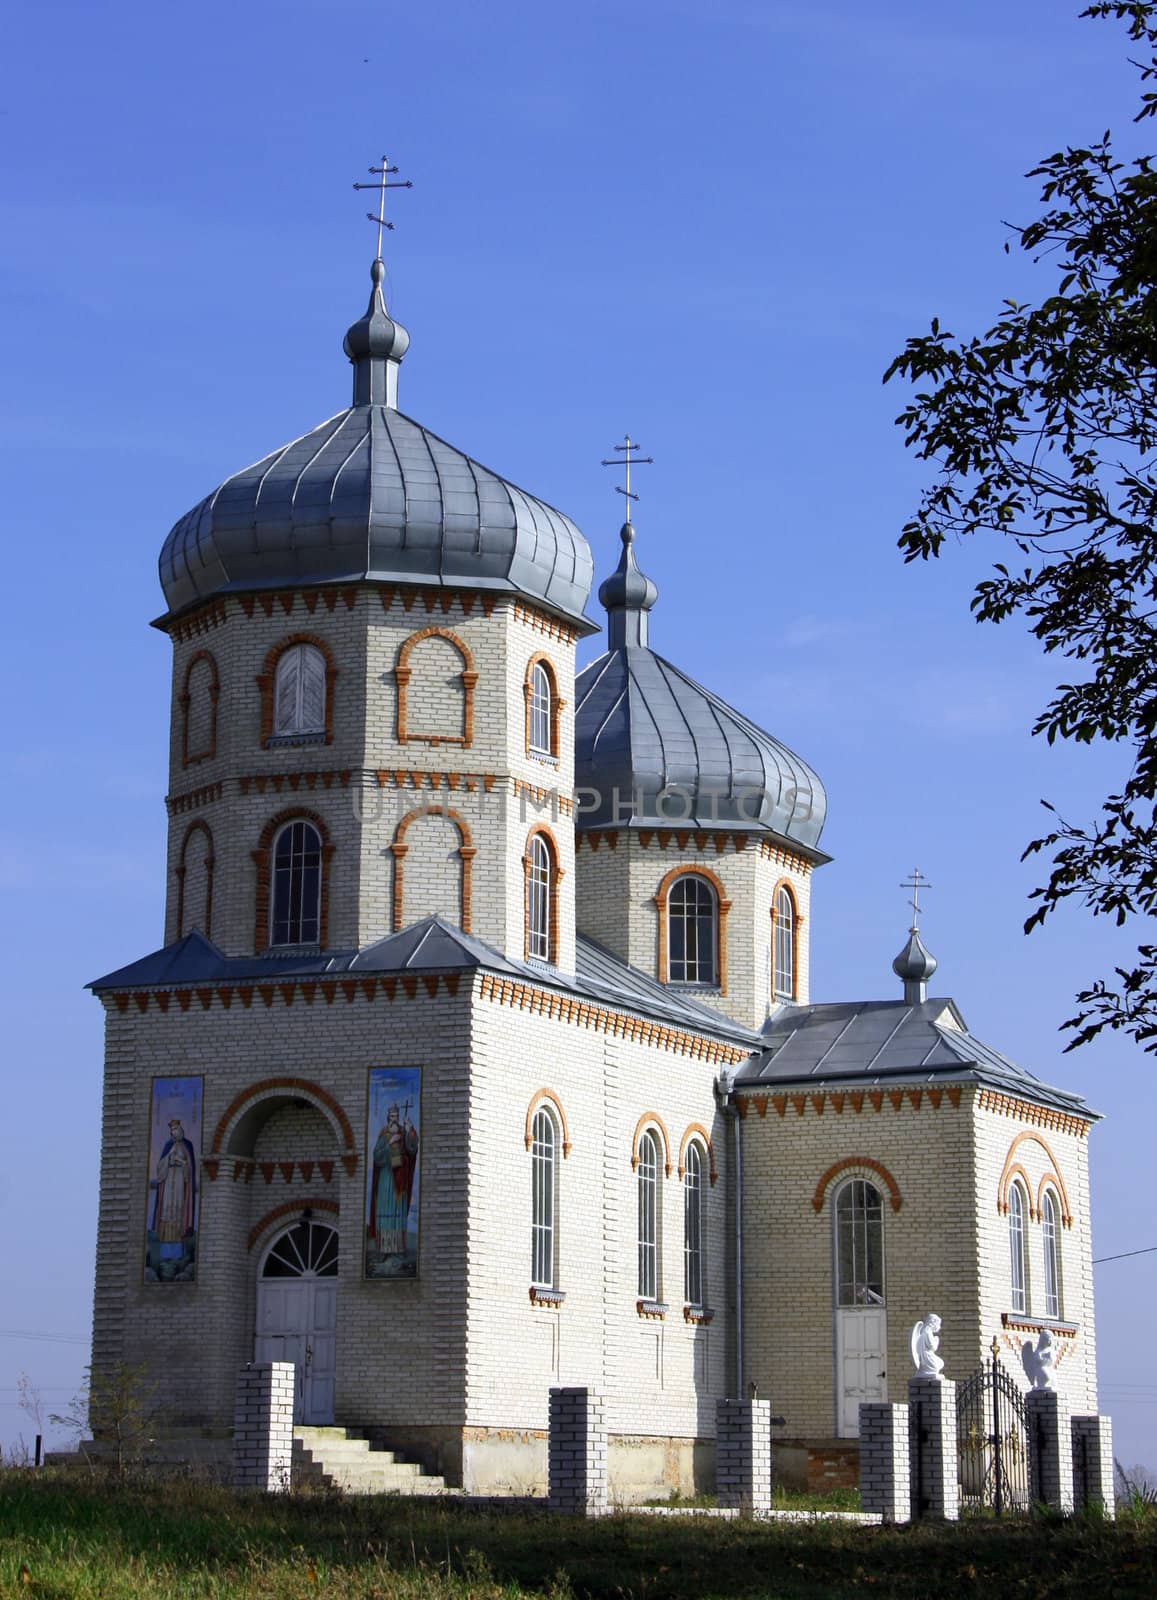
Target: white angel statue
(924, 1343)
(1038, 1360)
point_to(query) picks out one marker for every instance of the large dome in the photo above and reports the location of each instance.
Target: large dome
(659, 750)
(372, 494)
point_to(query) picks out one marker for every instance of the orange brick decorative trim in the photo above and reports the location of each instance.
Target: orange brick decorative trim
(542, 622)
(796, 924)
(303, 1088)
(289, 989)
(288, 598)
(552, 799)
(859, 1163)
(189, 757)
(468, 782)
(267, 677)
(439, 599)
(466, 854)
(696, 1130)
(548, 1097)
(1052, 1176)
(287, 1209)
(854, 1099)
(262, 858)
(556, 876)
(1061, 1330)
(194, 799)
(541, 659)
(1047, 1186)
(279, 782)
(722, 905)
(652, 1120)
(198, 622)
(403, 673)
(1024, 1111)
(182, 869)
(780, 857)
(1016, 1172)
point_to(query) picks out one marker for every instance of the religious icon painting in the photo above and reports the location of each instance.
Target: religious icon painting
(393, 1171)
(174, 1185)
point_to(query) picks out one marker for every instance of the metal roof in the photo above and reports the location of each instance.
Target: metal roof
(371, 493)
(885, 1041)
(430, 945)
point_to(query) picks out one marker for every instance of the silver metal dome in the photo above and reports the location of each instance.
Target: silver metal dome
(658, 749)
(373, 494)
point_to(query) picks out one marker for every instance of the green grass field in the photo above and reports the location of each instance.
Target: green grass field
(69, 1535)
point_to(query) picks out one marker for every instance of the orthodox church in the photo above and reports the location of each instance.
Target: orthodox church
(479, 1056)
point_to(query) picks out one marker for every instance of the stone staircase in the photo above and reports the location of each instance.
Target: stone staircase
(340, 1458)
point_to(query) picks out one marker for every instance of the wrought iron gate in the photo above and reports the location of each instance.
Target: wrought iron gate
(992, 1441)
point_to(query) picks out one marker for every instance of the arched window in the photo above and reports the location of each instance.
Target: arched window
(692, 931)
(299, 691)
(693, 1226)
(541, 710)
(296, 897)
(1052, 1255)
(539, 896)
(544, 1199)
(859, 1245)
(783, 915)
(1016, 1210)
(647, 1177)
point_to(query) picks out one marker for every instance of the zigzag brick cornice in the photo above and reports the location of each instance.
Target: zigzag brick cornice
(194, 799)
(467, 781)
(287, 991)
(280, 782)
(198, 622)
(851, 1099)
(702, 840)
(1007, 1105)
(543, 622)
(445, 601)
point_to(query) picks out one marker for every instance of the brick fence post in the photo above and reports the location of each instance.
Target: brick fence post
(263, 1427)
(935, 1476)
(743, 1454)
(885, 1461)
(1050, 1450)
(578, 1452)
(1093, 1464)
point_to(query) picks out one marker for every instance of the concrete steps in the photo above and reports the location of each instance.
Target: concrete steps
(340, 1458)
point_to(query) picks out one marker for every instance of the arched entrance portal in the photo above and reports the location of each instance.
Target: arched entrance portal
(297, 1313)
(861, 1318)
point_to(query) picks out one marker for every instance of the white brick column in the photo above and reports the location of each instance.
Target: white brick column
(743, 1454)
(1050, 1450)
(885, 1461)
(1093, 1464)
(578, 1452)
(935, 1476)
(263, 1427)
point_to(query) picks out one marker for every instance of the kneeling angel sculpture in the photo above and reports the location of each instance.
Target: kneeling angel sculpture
(1038, 1360)
(924, 1343)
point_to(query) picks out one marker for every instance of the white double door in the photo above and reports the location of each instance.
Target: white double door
(861, 1363)
(297, 1321)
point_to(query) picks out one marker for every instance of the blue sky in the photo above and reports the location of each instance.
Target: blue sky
(710, 225)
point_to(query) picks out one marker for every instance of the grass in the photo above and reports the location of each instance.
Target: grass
(70, 1537)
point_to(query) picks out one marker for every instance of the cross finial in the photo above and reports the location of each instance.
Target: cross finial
(623, 459)
(383, 173)
(916, 882)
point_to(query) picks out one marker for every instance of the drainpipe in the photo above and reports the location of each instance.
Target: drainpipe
(723, 1089)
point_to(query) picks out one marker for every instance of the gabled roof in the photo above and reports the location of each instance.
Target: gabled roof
(888, 1041)
(429, 946)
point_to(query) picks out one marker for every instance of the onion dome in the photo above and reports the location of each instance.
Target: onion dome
(915, 965)
(655, 749)
(372, 494)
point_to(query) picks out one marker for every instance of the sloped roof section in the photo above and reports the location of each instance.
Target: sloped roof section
(886, 1041)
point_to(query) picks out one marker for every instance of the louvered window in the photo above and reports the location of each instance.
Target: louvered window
(299, 691)
(296, 885)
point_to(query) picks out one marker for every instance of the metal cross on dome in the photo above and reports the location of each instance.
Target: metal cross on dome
(383, 173)
(623, 459)
(916, 882)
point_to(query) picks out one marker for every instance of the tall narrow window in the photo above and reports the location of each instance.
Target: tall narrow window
(538, 898)
(1016, 1209)
(647, 1176)
(693, 1227)
(543, 1164)
(299, 691)
(541, 710)
(296, 897)
(784, 944)
(692, 932)
(859, 1245)
(1052, 1256)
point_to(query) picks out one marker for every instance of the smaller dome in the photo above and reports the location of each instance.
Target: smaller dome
(376, 334)
(915, 963)
(627, 588)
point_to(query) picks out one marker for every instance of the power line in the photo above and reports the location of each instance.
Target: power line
(1147, 1251)
(41, 1338)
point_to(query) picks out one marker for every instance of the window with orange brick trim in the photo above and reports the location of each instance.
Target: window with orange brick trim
(302, 875)
(699, 910)
(1018, 1262)
(543, 708)
(198, 699)
(540, 864)
(274, 678)
(408, 730)
(785, 921)
(195, 881)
